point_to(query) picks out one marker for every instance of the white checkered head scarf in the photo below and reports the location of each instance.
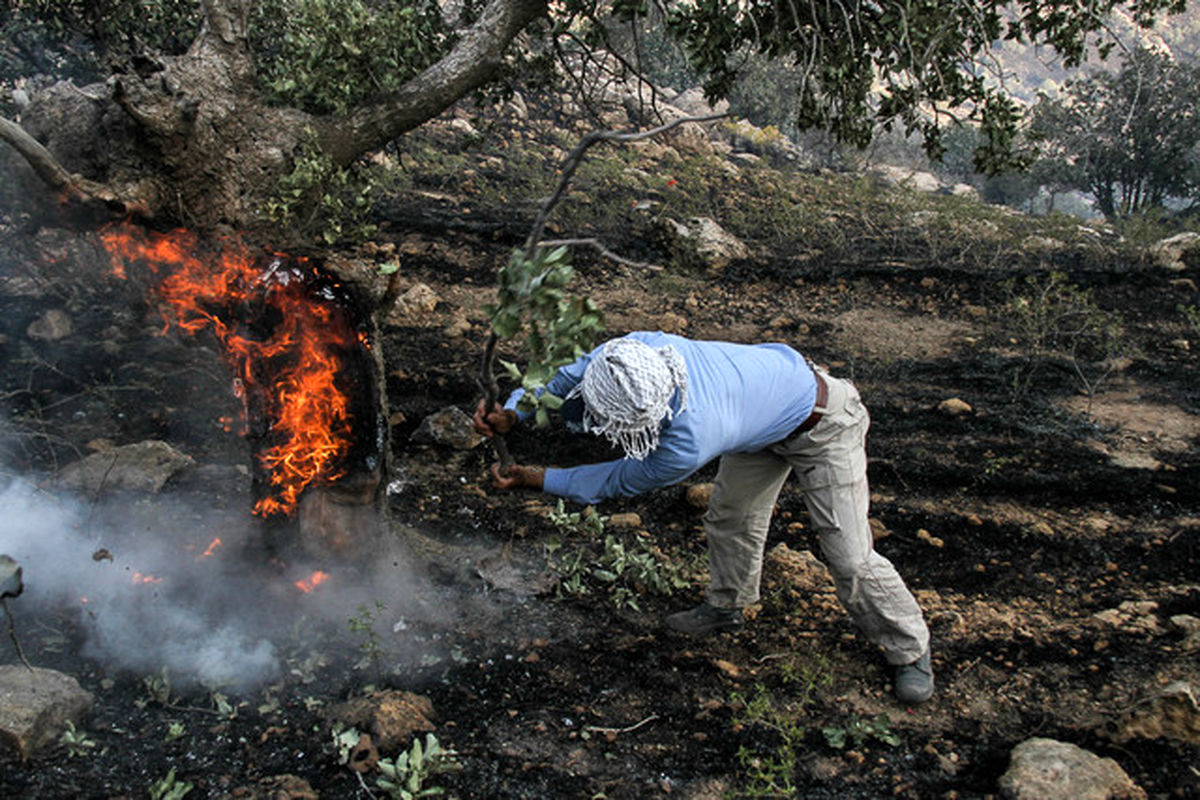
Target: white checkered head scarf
(627, 390)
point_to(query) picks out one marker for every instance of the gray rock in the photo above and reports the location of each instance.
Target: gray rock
(1175, 252)
(50, 327)
(700, 242)
(450, 427)
(1046, 769)
(141, 467)
(35, 707)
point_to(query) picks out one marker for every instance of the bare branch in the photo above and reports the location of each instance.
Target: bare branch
(604, 251)
(54, 175)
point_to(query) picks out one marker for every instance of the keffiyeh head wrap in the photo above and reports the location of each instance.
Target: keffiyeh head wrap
(627, 390)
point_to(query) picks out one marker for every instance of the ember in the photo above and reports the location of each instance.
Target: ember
(285, 337)
(308, 584)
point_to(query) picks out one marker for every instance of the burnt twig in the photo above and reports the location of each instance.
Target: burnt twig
(12, 634)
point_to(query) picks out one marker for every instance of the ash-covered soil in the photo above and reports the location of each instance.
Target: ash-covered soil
(1021, 522)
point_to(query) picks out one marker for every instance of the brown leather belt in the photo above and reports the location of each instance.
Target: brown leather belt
(815, 416)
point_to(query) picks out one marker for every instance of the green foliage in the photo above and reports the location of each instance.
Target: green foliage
(405, 776)
(770, 766)
(371, 647)
(1192, 315)
(621, 570)
(329, 55)
(76, 742)
(887, 63)
(85, 39)
(532, 299)
(858, 731)
(1058, 324)
(169, 788)
(586, 522)
(1130, 139)
(321, 200)
(158, 689)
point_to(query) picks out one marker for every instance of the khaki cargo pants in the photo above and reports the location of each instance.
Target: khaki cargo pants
(830, 462)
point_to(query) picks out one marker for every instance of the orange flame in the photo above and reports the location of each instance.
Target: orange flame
(309, 413)
(212, 547)
(308, 584)
(140, 578)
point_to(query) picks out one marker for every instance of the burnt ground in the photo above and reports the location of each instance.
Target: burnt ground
(1015, 523)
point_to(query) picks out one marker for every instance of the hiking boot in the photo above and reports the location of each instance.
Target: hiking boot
(914, 682)
(705, 619)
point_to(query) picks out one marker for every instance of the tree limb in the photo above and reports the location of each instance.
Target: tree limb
(470, 64)
(53, 174)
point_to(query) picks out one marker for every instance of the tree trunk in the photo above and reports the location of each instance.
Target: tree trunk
(190, 139)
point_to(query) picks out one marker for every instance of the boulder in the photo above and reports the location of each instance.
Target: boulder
(141, 467)
(1046, 769)
(1175, 253)
(700, 242)
(917, 180)
(35, 707)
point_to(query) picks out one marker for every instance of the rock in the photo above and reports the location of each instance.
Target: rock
(954, 407)
(918, 180)
(418, 301)
(929, 538)
(1136, 616)
(1045, 769)
(1173, 713)
(391, 717)
(450, 427)
(670, 322)
(276, 787)
(799, 569)
(35, 707)
(1183, 345)
(10, 577)
(628, 520)
(1176, 252)
(141, 467)
(50, 327)
(699, 494)
(699, 243)
(964, 190)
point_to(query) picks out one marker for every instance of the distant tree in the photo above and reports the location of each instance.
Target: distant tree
(1130, 139)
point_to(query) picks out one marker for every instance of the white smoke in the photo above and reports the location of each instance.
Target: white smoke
(140, 598)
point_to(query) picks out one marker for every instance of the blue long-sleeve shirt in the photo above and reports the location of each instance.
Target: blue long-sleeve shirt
(741, 398)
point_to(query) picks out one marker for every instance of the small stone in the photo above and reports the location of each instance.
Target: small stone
(699, 494)
(1181, 344)
(450, 427)
(929, 538)
(627, 520)
(954, 407)
(727, 667)
(1172, 713)
(391, 717)
(50, 327)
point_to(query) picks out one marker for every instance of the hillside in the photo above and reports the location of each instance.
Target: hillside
(1034, 457)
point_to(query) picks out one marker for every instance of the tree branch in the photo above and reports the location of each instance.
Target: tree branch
(470, 64)
(53, 174)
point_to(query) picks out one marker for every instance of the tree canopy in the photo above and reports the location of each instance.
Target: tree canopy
(222, 96)
(1131, 138)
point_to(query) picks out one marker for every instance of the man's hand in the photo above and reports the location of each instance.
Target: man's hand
(518, 476)
(500, 420)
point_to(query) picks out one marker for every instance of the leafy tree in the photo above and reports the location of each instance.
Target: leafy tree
(205, 105)
(1130, 139)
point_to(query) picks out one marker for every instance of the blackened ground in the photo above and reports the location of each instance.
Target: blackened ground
(578, 696)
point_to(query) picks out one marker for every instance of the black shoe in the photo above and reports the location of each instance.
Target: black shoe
(914, 682)
(705, 619)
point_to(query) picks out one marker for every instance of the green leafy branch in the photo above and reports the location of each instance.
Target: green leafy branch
(532, 299)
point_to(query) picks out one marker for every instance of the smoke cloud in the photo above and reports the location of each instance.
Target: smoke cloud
(159, 581)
